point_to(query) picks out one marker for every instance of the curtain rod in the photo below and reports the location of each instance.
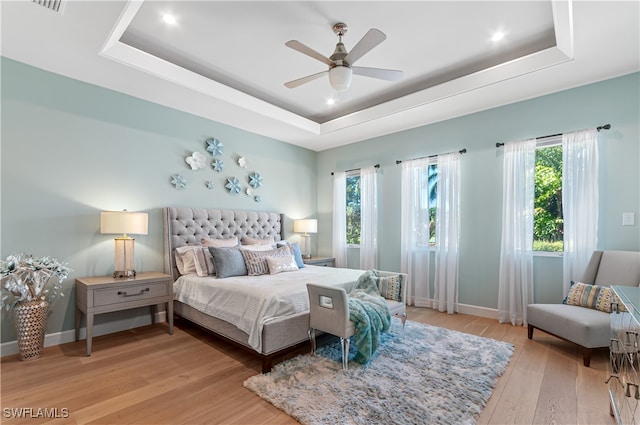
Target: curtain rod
(399, 161)
(602, 127)
(355, 169)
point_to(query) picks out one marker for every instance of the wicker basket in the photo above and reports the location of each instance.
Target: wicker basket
(31, 321)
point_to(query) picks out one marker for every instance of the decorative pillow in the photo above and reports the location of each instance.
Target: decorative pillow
(247, 240)
(281, 264)
(228, 262)
(295, 251)
(220, 243)
(256, 261)
(591, 296)
(390, 287)
(256, 247)
(193, 259)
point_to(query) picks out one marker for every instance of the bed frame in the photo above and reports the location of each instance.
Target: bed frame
(187, 226)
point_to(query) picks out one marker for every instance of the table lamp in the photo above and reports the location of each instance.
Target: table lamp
(306, 226)
(124, 223)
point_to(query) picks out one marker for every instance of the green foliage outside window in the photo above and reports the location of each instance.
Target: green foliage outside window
(547, 213)
(353, 210)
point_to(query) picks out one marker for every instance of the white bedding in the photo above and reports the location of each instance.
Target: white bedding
(248, 302)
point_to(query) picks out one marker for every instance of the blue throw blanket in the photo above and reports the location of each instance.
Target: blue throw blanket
(370, 314)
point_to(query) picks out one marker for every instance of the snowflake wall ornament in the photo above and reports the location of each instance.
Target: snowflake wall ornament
(196, 161)
(255, 180)
(243, 162)
(233, 185)
(209, 184)
(218, 165)
(215, 146)
(257, 198)
(178, 181)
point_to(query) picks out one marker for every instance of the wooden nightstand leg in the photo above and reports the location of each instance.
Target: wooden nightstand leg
(154, 309)
(170, 316)
(78, 321)
(89, 332)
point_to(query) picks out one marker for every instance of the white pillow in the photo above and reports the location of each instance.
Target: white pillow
(256, 247)
(281, 264)
(194, 259)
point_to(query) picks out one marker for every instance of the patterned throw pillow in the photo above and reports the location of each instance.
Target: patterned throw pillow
(281, 264)
(592, 296)
(256, 261)
(390, 287)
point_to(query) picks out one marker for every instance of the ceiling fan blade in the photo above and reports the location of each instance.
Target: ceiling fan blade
(303, 80)
(296, 45)
(383, 74)
(371, 39)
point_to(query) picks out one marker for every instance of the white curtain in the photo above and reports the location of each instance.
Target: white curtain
(414, 232)
(579, 202)
(447, 233)
(515, 285)
(339, 240)
(369, 218)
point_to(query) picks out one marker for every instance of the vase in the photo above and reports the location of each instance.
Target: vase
(31, 321)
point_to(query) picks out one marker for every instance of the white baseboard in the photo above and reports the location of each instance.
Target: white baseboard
(57, 338)
(474, 310)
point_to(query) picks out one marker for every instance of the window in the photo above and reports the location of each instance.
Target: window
(428, 198)
(547, 214)
(353, 208)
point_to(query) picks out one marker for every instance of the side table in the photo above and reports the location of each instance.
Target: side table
(96, 295)
(320, 261)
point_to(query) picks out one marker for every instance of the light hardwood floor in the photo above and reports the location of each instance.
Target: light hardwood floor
(146, 376)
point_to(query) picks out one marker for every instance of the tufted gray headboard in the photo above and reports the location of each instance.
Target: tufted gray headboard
(185, 226)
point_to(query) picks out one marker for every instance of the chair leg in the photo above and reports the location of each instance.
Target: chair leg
(586, 356)
(345, 342)
(403, 318)
(312, 337)
(530, 331)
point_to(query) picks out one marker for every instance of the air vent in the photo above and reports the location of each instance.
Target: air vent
(55, 5)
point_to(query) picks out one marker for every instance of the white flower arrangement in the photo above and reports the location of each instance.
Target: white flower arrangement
(27, 278)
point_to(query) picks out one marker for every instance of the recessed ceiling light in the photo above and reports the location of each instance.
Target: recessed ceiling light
(331, 101)
(169, 19)
(497, 36)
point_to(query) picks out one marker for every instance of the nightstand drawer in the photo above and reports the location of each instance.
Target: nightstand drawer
(128, 293)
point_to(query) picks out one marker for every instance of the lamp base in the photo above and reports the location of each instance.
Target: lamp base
(306, 256)
(122, 274)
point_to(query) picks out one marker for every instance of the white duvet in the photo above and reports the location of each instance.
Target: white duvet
(249, 302)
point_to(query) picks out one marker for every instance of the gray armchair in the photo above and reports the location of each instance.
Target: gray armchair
(587, 327)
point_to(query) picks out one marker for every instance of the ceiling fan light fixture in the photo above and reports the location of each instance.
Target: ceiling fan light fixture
(340, 77)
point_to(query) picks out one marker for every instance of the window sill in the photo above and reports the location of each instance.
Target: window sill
(547, 254)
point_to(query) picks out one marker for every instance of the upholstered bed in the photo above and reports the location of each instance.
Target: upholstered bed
(271, 339)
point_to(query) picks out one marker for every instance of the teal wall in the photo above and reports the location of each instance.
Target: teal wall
(614, 101)
(70, 150)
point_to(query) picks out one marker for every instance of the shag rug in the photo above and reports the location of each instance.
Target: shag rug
(421, 374)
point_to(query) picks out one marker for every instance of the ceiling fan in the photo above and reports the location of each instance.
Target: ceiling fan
(341, 62)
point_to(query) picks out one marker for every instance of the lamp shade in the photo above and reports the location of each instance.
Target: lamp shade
(307, 225)
(340, 77)
(123, 222)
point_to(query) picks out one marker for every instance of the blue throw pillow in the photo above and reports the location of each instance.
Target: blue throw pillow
(297, 254)
(228, 262)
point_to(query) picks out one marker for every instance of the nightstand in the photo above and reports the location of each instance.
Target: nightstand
(96, 295)
(320, 261)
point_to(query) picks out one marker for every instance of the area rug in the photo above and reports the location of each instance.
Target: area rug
(421, 374)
